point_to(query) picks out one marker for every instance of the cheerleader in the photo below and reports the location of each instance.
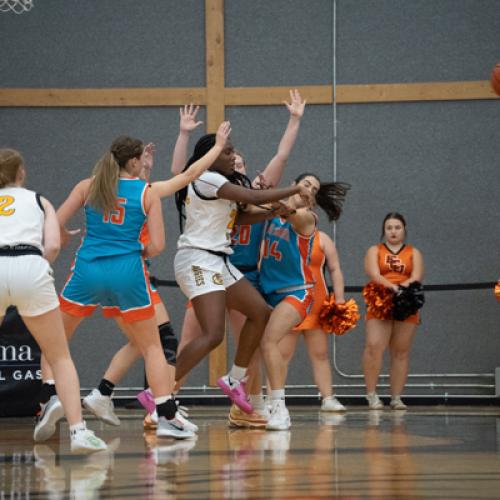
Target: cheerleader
(324, 254)
(29, 242)
(391, 264)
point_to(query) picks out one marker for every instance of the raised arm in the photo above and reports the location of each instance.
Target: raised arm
(51, 232)
(170, 186)
(372, 269)
(147, 161)
(274, 169)
(333, 266)
(187, 124)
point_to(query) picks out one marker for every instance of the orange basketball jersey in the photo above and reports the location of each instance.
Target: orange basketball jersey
(320, 290)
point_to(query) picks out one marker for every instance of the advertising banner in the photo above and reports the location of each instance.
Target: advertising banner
(20, 375)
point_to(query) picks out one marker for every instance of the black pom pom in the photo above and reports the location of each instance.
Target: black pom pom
(407, 301)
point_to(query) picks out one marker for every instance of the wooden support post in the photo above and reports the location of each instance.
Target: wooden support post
(214, 33)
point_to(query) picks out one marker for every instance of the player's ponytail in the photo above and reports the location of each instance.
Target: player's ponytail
(330, 196)
(106, 172)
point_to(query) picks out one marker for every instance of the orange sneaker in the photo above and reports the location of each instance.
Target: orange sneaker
(149, 423)
(238, 418)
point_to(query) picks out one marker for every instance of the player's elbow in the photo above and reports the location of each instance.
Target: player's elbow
(51, 250)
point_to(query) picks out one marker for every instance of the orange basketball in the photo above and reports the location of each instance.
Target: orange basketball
(495, 79)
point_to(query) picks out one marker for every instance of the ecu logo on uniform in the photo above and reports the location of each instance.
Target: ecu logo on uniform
(395, 263)
(217, 279)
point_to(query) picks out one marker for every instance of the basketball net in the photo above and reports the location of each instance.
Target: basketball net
(16, 6)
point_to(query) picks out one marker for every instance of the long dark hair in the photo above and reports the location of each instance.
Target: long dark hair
(330, 196)
(201, 148)
(393, 215)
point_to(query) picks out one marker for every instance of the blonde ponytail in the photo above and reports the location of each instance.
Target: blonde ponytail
(106, 172)
(102, 193)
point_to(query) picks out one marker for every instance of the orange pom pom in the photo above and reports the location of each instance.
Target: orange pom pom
(497, 290)
(378, 300)
(338, 318)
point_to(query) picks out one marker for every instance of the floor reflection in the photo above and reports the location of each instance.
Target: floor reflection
(62, 476)
(419, 453)
(391, 468)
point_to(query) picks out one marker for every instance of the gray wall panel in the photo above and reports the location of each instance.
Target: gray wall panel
(389, 41)
(283, 42)
(125, 43)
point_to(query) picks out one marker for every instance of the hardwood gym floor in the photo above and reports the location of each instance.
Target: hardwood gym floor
(424, 452)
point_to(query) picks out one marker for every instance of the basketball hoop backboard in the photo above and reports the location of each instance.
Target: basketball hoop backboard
(16, 6)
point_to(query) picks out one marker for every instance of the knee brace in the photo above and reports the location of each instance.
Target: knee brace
(169, 342)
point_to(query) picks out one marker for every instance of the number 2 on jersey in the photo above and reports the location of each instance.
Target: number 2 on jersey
(6, 201)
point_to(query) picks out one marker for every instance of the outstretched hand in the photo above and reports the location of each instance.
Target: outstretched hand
(260, 182)
(296, 105)
(148, 160)
(188, 121)
(222, 134)
(148, 155)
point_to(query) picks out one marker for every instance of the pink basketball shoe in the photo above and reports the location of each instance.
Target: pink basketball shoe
(147, 400)
(235, 390)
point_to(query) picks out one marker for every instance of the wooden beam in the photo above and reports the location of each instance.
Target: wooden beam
(356, 94)
(113, 97)
(216, 97)
(262, 96)
(214, 46)
(407, 92)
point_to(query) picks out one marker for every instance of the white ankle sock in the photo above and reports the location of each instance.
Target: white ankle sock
(80, 426)
(277, 394)
(237, 372)
(257, 401)
(162, 399)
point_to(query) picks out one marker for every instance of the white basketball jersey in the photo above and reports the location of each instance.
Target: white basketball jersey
(209, 220)
(21, 218)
